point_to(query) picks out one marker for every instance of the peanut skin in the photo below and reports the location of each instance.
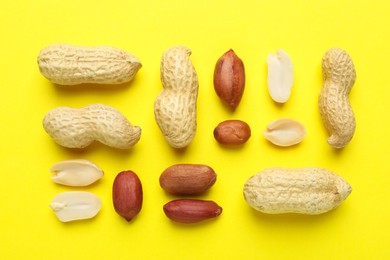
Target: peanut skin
(301, 190)
(229, 79)
(79, 127)
(232, 132)
(68, 64)
(127, 195)
(191, 210)
(187, 179)
(175, 107)
(335, 108)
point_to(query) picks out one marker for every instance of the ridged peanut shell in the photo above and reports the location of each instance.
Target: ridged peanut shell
(175, 106)
(296, 190)
(79, 127)
(68, 64)
(335, 109)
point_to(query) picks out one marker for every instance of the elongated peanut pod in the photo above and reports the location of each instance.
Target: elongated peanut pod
(79, 127)
(335, 109)
(175, 106)
(67, 64)
(300, 190)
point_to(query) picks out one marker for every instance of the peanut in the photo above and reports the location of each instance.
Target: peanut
(67, 64)
(75, 205)
(285, 132)
(229, 79)
(79, 127)
(175, 106)
(191, 210)
(127, 194)
(76, 173)
(303, 190)
(232, 132)
(335, 109)
(280, 76)
(187, 179)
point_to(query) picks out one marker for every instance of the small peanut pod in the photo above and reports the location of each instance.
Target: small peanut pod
(191, 210)
(187, 179)
(67, 64)
(303, 190)
(79, 127)
(175, 106)
(335, 108)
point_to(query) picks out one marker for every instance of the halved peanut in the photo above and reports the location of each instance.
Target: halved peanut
(280, 76)
(76, 172)
(285, 132)
(75, 205)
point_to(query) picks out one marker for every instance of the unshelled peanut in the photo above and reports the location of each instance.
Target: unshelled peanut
(335, 109)
(68, 64)
(79, 127)
(175, 107)
(296, 190)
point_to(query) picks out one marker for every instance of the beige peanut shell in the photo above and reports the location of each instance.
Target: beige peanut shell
(79, 127)
(175, 107)
(68, 64)
(335, 109)
(296, 190)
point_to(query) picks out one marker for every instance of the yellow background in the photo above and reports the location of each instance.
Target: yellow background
(358, 229)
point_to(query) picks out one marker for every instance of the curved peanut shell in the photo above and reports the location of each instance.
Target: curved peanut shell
(335, 108)
(67, 64)
(303, 190)
(175, 106)
(79, 127)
